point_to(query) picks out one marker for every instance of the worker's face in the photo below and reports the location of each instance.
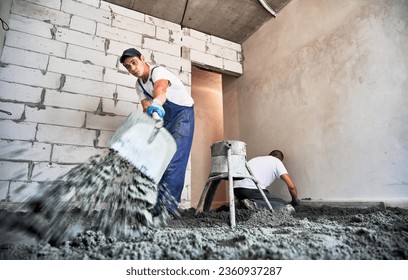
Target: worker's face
(135, 65)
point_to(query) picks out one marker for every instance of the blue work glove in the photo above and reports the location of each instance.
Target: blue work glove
(157, 107)
(295, 202)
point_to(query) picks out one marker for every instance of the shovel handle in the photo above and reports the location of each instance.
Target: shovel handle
(159, 121)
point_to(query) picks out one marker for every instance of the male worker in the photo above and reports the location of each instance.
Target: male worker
(162, 92)
(265, 170)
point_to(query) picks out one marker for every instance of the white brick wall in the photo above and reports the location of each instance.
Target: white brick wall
(25, 58)
(55, 116)
(23, 150)
(74, 154)
(63, 99)
(35, 43)
(28, 76)
(62, 83)
(88, 87)
(4, 188)
(17, 130)
(15, 111)
(21, 191)
(30, 26)
(65, 135)
(39, 12)
(20, 93)
(82, 24)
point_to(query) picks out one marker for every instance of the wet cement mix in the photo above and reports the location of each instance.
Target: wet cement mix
(109, 216)
(311, 233)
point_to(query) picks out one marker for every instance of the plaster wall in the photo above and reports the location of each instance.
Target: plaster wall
(326, 83)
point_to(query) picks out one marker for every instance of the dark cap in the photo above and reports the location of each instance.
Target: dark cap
(129, 53)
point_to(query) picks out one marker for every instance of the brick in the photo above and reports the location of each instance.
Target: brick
(49, 171)
(74, 154)
(95, 57)
(65, 135)
(13, 170)
(88, 87)
(38, 12)
(162, 23)
(118, 34)
(222, 52)
(176, 37)
(31, 77)
(71, 101)
(23, 150)
(137, 26)
(162, 46)
(80, 39)
(83, 24)
(75, 68)
(233, 66)
(18, 131)
(104, 137)
(126, 94)
(35, 43)
(206, 59)
(19, 93)
(194, 43)
(121, 108)
(86, 11)
(162, 34)
(119, 78)
(24, 58)
(55, 116)
(118, 10)
(110, 123)
(30, 26)
(48, 3)
(4, 189)
(172, 61)
(197, 34)
(23, 191)
(117, 48)
(16, 110)
(225, 43)
(94, 3)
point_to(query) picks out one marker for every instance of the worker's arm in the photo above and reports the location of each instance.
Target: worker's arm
(145, 103)
(159, 94)
(159, 90)
(291, 187)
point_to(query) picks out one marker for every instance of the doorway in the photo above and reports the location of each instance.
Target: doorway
(206, 90)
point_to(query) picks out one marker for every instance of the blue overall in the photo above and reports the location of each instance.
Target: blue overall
(179, 121)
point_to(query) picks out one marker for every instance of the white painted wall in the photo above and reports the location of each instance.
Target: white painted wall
(67, 93)
(327, 83)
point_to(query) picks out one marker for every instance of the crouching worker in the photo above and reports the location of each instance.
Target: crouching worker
(265, 169)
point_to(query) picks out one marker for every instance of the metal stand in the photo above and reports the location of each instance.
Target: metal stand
(212, 185)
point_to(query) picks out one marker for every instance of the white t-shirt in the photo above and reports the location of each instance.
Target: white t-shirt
(176, 92)
(265, 169)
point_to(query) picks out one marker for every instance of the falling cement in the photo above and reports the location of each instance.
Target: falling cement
(311, 233)
(106, 192)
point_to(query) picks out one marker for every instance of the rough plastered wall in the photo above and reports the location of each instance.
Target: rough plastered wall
(63, 92)
(327, 83)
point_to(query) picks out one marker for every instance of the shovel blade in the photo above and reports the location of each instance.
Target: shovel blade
(147, 148)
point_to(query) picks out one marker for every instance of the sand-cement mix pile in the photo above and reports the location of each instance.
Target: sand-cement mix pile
(323, 232)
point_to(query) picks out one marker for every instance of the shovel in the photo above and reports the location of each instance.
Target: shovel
(144, 143)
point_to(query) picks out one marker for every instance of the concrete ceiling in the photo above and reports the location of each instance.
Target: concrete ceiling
(233, 20)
